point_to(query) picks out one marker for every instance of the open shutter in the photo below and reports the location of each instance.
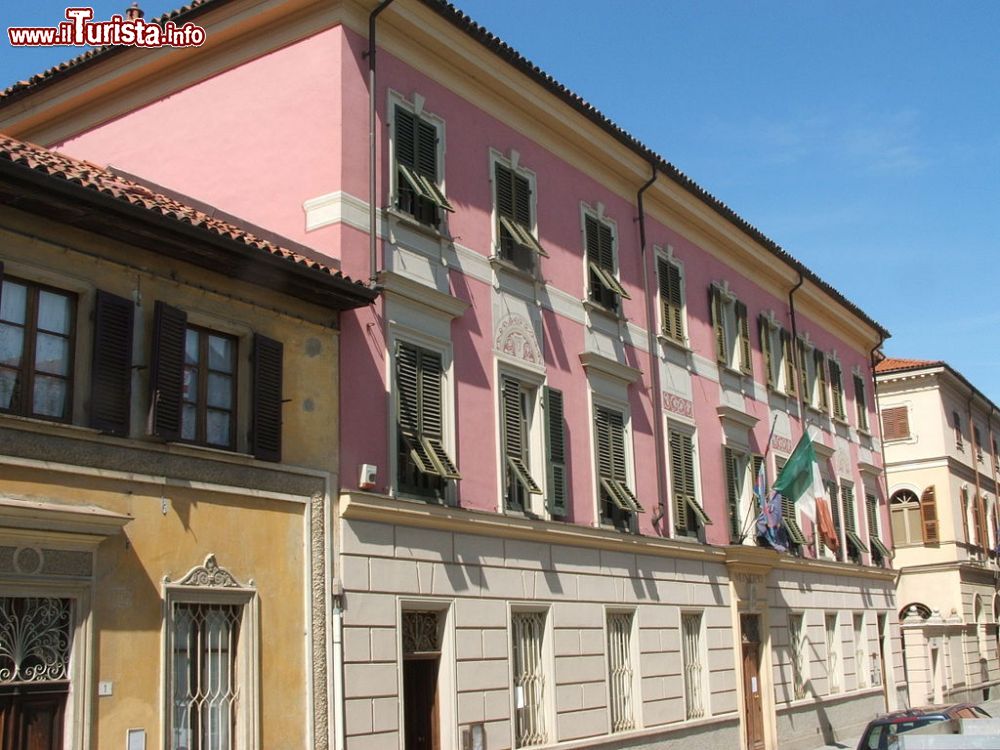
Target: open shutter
(715, 309)
(743, 326)
(430, 379)
(819, 361)
(265, 422)
(861, 402)
(408, 412)
(764, 331)
(803, 368)
(792, 527)
(850, 524)
(111, 373)
(555, 440)
(620, 470)
(513, 435)
(732, 495)
(837, 387)
(166, 374)
(677, 480)
(788, 357)
(929, 517)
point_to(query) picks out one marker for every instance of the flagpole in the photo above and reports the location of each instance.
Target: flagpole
(751, 517)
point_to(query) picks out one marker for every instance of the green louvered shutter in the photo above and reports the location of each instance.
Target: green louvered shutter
(505, 191)
(850, 525)
(671, 308)
(426, 151)
(514, 437)
(555, 440)
(406, 138)
(743, 326)
(819, 362)
(522, 201)
(788, 357)
(408, 408)
(861, 403)
(756, 461)
(718, 324)
(804, 373)
(764, 331)
(837, 387)
(732, 495)
(677, 480)
(432, 415)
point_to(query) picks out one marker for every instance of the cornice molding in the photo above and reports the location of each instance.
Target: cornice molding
(594, 362)
(421, 294)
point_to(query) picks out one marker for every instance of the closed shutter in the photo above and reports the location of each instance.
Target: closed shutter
(514, 437)
(555, 440)
(819, 361)
(683, 481)
(418, 409)
(265, 425)
(803, 366)
(111, 375)
(718, 324)
(788, 518)
(166, 375)
(611, 469)
(732, 494)
(850, 524)
(788, 356)
(874, 538)
(861, 402)
(836, 386)
(427, 149)
(895, 423)
(669, 276)
(764, 331)
(743, 326)
(406, 138)
(929, 517)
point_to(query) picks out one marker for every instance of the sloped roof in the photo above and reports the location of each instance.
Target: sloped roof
(88, 176)
(895, 364)
(494, 44)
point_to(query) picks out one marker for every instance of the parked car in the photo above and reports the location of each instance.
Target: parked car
(881, 733)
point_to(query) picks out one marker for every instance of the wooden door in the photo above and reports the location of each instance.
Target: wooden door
(420, 703)
(753, 711)
(31, 718)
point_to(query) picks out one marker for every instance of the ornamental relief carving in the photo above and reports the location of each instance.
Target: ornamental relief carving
(516, 338)
(210, 574)
(678, 405)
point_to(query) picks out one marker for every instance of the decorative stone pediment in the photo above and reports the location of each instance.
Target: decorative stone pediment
(211, 575)
(515, 338)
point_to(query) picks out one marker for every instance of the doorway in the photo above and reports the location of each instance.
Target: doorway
(31, 717)
(421, 636)
(753, 711)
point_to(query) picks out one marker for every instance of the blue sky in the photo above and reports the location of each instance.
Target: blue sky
(862, 137)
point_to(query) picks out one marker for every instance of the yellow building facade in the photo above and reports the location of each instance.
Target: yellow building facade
(168, 441)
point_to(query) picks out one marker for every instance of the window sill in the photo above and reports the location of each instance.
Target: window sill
(594, 308)
(672, 343)
(411, 222)
(501, 265)
(45, 425)
(208, 449)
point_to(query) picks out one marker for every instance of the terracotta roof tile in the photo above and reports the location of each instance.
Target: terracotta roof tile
(94, 177)
(894, 364)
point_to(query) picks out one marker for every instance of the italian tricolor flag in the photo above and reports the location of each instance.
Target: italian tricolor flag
(800, 482)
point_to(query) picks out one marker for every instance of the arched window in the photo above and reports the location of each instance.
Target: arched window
(905, 512)
(916, 608)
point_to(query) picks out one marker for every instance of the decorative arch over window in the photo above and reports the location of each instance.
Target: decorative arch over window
(915, 609)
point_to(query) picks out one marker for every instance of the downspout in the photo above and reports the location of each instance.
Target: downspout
(981, 532)
(654, 362)
(795, 347)
(372, 147)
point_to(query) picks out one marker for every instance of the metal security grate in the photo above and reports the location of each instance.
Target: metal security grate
(691, 633)
(832, 654)
(527, 631)
(34, 640)
(620, 670)
(205, 684)
(796, 641)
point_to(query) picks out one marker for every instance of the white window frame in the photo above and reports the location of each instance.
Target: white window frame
(533, 383)
(665, 254)
(834, 654)
(597, 212)
(699, 665)
(634, 699)
(861, 650)
(513, 163)
(211, 584)
(416, 108)
(798, 645)
(616, 405)
(548, 707)
(398, 332)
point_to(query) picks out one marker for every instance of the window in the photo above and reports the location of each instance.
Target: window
(833, 493)
(37, 333)
(880, 553)
(423, 463)
(775, 345)
(194, 384)
(208, 416)
(813, 376)
(211, 665)
(956, 423)
(860, 650)
(620, 674)
(527, 636)
(689, 516)
(517, 409)
(799, 648)
(557, 488)
(821, 399)
(861, 403)
(418, 171)
(741, 471)
(789, 516)
(896, 423)
(515, 225)
(837, 390)
(833, 658)
(671, 283)
(693, 677)
(732, 329)
(617, 501)
(977, 435)
(603, 285)
(854, 544)
(788, 358)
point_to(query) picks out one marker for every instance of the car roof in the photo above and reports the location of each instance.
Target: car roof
(920, 711)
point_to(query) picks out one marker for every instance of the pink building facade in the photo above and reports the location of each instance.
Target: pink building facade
(552, 417)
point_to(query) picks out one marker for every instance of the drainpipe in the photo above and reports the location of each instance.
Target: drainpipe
(338, 666)
(654, 365)
(981, 532)
(795, 348)
(372, 146)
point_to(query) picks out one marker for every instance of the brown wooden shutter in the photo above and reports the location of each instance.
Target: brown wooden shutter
(764, 332)
(743, 327)
(788, 356)
(929, 517)
(166, 374)
(820, 363)
(895, 423)
(837, 387)
(265, 425)
(555, 439)
(718, 325)
(111, 372)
